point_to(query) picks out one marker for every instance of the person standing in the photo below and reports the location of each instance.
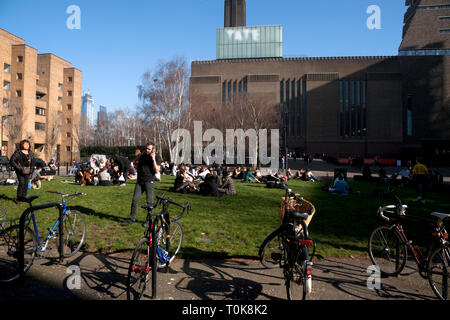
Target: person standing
(22, 161)
(419, 178)
(148, 166)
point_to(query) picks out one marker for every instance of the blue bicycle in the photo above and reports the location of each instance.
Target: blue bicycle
(74, 231)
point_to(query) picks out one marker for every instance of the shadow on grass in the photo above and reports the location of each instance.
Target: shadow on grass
(91, 212)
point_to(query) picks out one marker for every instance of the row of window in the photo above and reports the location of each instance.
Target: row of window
(436, 7)
(233, 90)
(425, 52)
(352, 108)
(445, 31)
(293, 106)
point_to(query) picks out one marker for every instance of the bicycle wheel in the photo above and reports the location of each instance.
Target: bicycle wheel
(2, 218)
(295, 273)
(387, 251)
(271, 251)
(439, 271)
(9, 243)
(74, 226)
(139, 272)
(173, 246)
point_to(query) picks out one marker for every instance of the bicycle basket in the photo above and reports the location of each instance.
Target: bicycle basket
(303, 206)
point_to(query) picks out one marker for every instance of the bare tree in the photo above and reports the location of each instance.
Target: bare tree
(14, 124)
(53, 132)
(164, 97)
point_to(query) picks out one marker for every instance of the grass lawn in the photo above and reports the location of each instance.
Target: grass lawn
(231, 226)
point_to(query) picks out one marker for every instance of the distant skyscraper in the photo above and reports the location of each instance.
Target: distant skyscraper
(87, 109)
(101, 115)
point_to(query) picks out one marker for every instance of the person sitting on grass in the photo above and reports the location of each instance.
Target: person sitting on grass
(182, 182)
(249, 177)
(36, 178)
(289, 174)
(227, 186)
(340, 186)
(209, 188)
(105, 178)
(309, 176)
(237, 173)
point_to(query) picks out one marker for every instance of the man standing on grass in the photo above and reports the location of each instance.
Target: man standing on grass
(148, 166)
(420, 177)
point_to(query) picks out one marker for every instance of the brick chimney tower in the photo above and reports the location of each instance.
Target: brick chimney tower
(235, 13)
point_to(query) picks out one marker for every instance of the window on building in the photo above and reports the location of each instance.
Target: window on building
(224, 91)
(229, 91)
(234, 92)
(68, 148)
(68, 121)
(6, 85)
(444, 18)
(6, 68)
(70, 79)
(69, 107)
(19, 76)
(245, 89)
(364, 108)
(287, 104)
(68, 134)
(59, 114)
(39, 126)
(5, 103)
(59, 100)
(304, 106)
(341, 108)
(69, 93)
(409, 118)
(19, 58)
(40, 111)
(445, 31)
(18, 93)
(352, 108)
(60, 86)
(299, 109)
(293, 106)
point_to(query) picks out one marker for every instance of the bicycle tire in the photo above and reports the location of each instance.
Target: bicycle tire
(271, 252)
(139, 270)
(438, 269)
(2, 218)
(173, 246)
(295, 277)
(387, 251)
(9, 242)
(74, 225)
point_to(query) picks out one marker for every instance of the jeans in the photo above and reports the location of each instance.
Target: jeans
(23, 185)
(141, 187)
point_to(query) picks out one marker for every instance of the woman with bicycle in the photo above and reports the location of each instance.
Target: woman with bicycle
(23, 163)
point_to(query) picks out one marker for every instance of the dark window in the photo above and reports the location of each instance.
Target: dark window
(364, 108)
(19, 76)
(341, 108)
(304, 106)
(409, 116)
(444, 18)
(5, 103)
(245, 88)
(40, 111)
(288, 96)
(6, 68)
(70, 79)
(445, 31)
(6, 85)
(358, 108)
(69, 134)
(234, 92)
(69, 107)
(347, 109)
(293, 106)
(69, 93)
(224, 93)
(19, 93)
(281, 92)
(229, 91)
(39, 126)
(68, 148)
(68, 121)
(19, 58)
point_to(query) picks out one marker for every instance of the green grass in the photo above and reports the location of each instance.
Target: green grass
(230, 226)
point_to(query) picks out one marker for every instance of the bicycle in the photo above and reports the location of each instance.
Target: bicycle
(388, 246)
(74, 226)
(288, 246)
(154, 250)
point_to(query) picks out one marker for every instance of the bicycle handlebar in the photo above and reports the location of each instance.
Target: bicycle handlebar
(67, 195)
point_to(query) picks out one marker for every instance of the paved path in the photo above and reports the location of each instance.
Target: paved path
(103, 277)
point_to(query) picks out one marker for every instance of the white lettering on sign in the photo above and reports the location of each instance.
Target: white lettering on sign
(245, 34)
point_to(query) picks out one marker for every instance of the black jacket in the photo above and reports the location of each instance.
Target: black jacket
(19, 160)
(145, 170)
(122, 162)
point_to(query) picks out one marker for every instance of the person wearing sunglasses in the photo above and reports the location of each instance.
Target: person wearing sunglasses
(149, 165)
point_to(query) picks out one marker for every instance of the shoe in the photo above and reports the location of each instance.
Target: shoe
(123, 184)
(127, 222)
(145, 224)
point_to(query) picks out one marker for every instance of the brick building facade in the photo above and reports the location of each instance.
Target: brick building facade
(367, 106)
(41, 100)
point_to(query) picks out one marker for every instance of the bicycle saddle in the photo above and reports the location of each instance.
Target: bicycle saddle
(299, 215)
(149, 207)
(440, 216)
(27, 199)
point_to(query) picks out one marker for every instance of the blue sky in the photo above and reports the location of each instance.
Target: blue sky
(120, 40)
